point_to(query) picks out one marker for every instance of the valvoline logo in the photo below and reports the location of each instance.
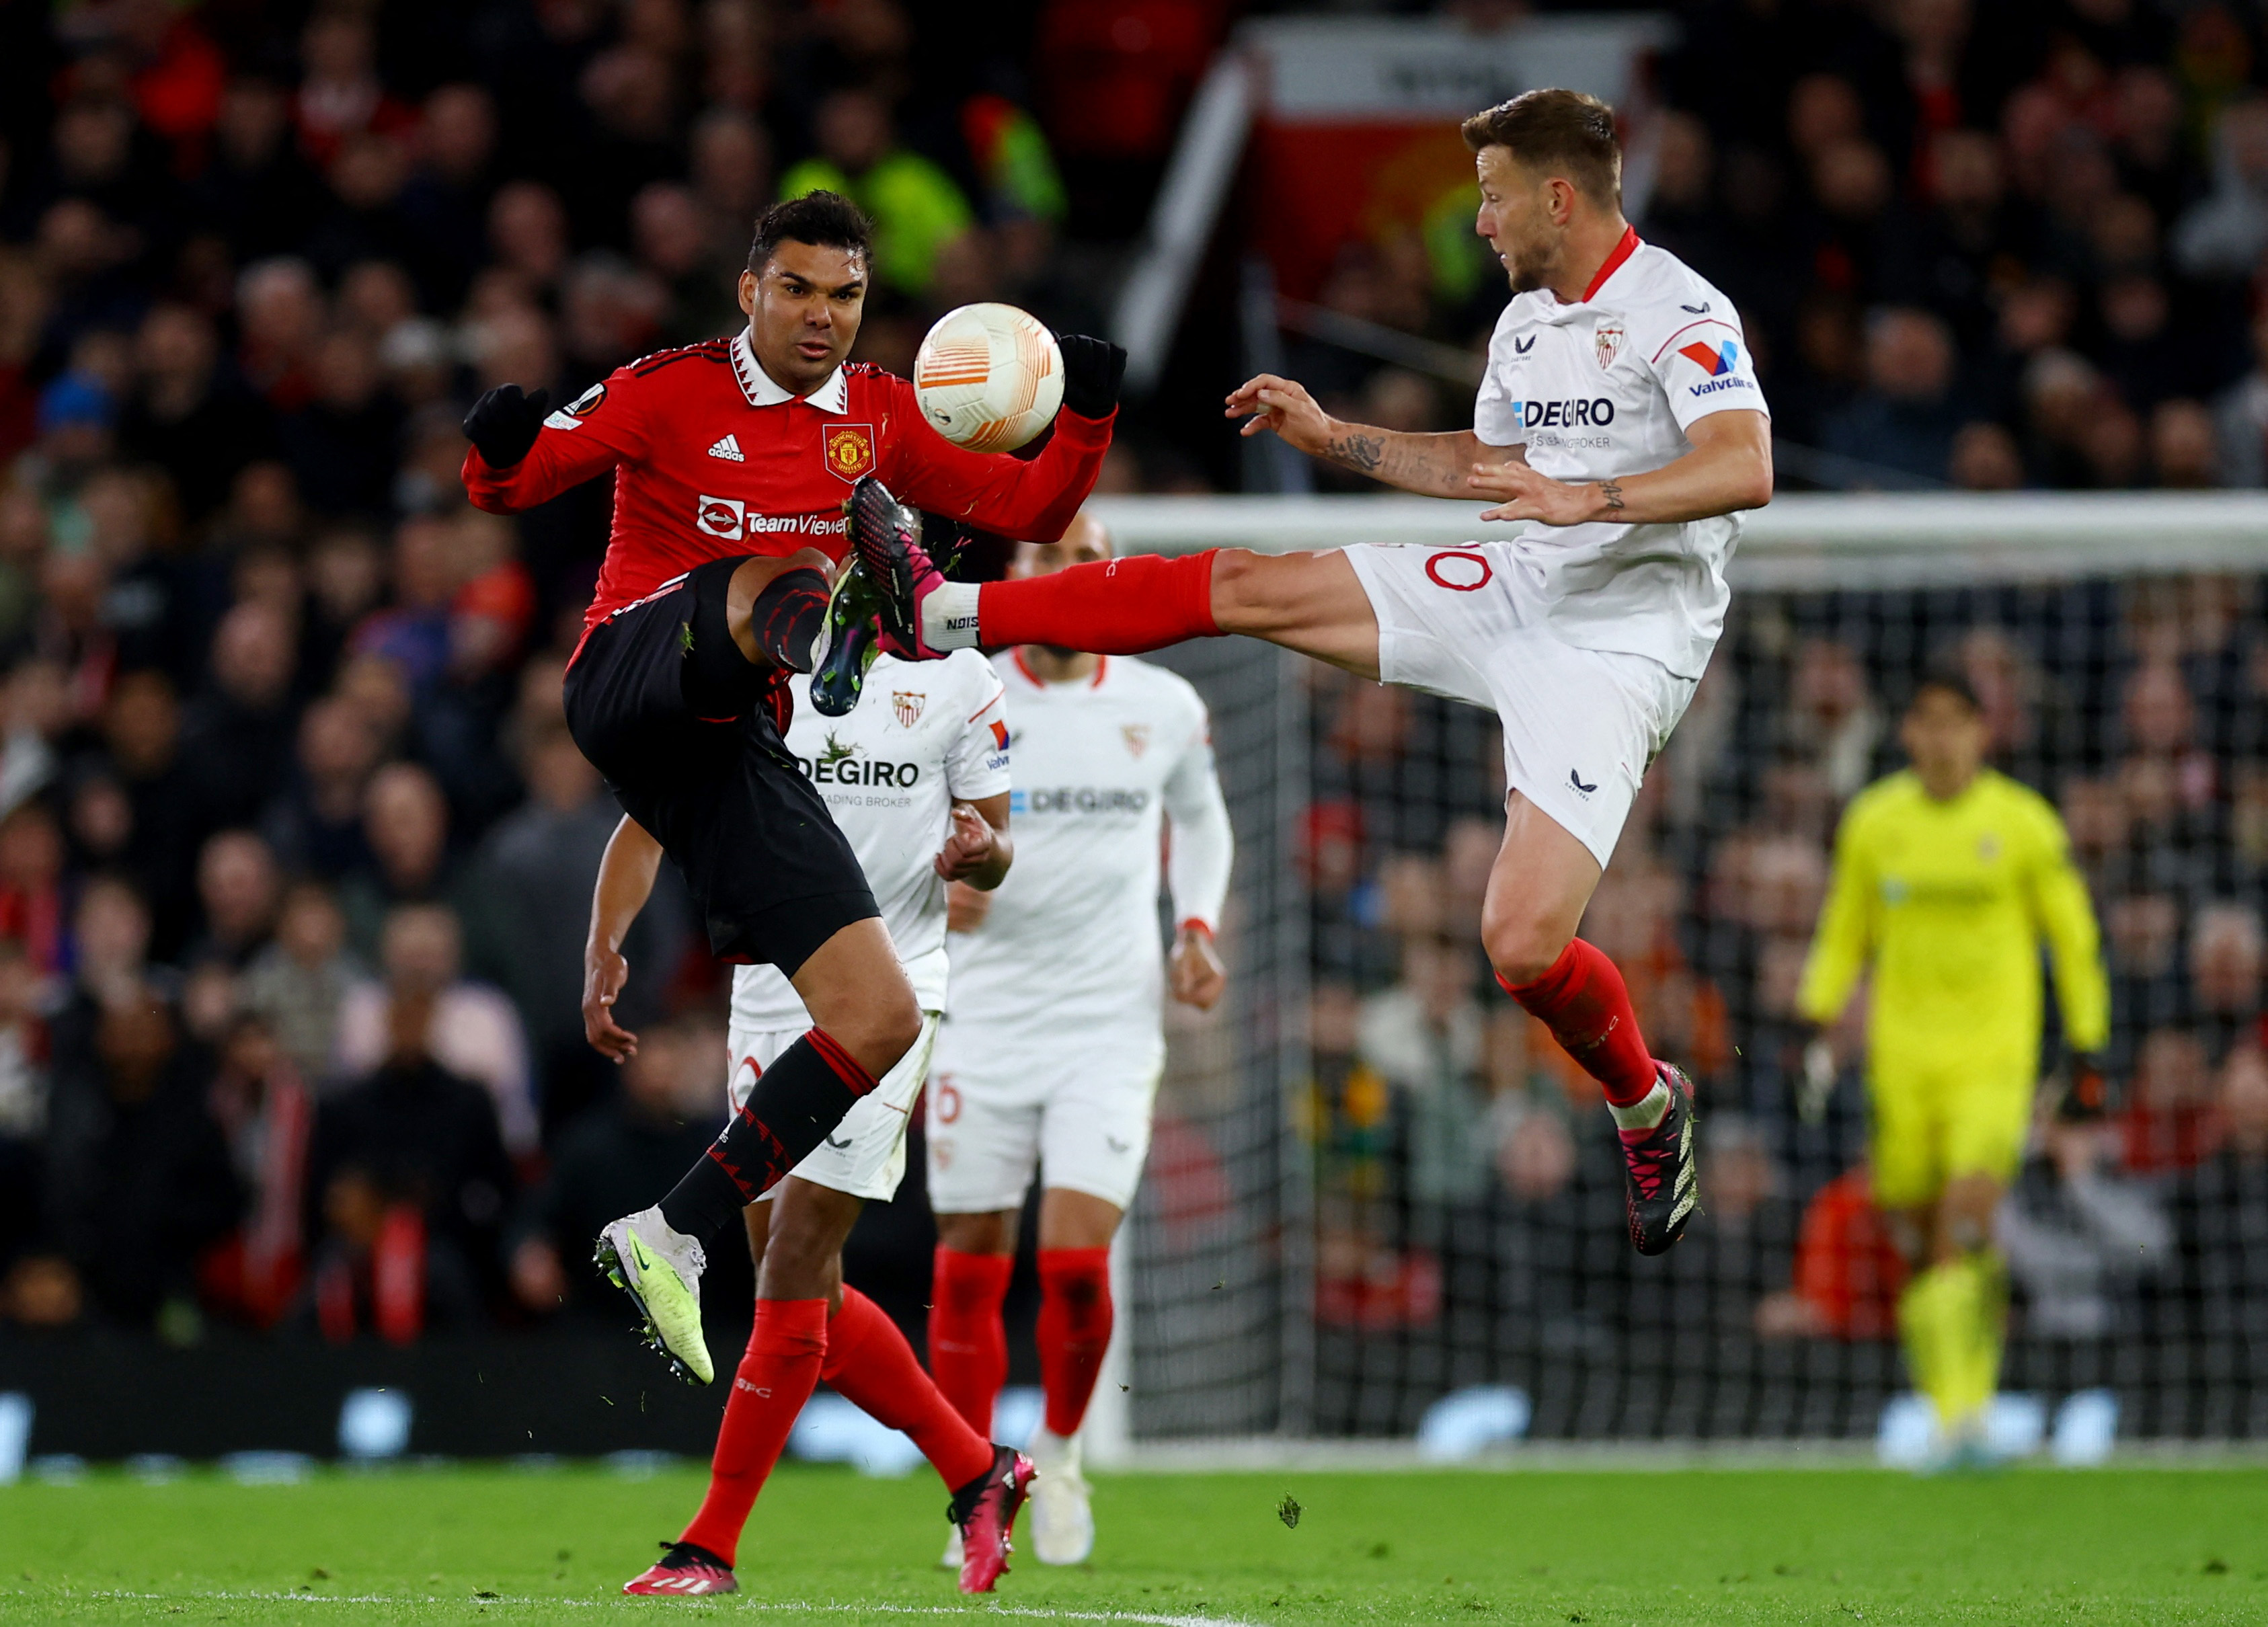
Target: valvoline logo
(999, 735)
(1716, 361)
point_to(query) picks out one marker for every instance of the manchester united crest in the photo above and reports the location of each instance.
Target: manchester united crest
(1608, 336)
(908, 704)
(849, 449)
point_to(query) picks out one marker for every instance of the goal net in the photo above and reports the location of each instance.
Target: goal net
(1382, 1204)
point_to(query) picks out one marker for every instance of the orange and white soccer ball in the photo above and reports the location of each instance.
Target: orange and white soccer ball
(988, 377)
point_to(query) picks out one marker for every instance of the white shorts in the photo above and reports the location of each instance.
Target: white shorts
(1079, 1112)
(1580, 726)
(865, 1156)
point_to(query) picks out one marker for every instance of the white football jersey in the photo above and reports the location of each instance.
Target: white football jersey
(922, 736)
(1607, 386)
(1071, 942)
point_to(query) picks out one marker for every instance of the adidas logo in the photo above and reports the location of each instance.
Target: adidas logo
(729, 449)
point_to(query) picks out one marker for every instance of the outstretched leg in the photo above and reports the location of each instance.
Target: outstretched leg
(1313, 603)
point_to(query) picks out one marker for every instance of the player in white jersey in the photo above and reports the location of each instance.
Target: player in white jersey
(1054, 1039)
(916, 775)
(1619, 431)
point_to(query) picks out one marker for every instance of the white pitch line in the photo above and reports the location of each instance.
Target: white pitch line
(964, 1612)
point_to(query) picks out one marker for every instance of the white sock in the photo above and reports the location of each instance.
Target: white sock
(949, 616)
(1050, 1450)
(1644, 1112)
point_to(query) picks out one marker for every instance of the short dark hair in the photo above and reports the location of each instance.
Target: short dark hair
(1946, 679)
(1562, 130)
(822, 219)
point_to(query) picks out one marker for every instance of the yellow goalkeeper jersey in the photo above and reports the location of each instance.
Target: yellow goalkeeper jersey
(1947, 905)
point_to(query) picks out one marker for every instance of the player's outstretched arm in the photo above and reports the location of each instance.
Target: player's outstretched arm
(977, 850)
(625, 882)
(520, 456)
(1432, 466)
(1729, 468)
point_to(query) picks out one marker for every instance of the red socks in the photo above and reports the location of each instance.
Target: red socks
(968, 1345)
(1582, 999)
(1119, 607)
(774, 1379)
(873, 1368)
(1074, 1331)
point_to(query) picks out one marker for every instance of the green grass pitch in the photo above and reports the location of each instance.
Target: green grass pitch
(462, 1544)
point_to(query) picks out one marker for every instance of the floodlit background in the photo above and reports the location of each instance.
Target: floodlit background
(284, 736)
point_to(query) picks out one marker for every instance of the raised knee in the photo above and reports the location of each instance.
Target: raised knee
(810, 559)
(1522, 952)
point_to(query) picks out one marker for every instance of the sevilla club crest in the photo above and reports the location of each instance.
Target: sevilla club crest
(908, 704)
(1138, 737)
(850, 450)
(1608, 336)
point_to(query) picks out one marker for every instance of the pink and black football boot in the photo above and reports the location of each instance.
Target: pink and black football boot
(685, 1570)
(1660, 1184)
(885, 537)
(984, 1512)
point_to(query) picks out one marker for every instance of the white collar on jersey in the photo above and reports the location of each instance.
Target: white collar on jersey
(756, 384)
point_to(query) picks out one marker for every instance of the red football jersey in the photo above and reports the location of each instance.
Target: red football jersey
(715, 458)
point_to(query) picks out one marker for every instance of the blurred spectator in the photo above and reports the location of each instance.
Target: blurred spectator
(2075, 1232)
(2224, 232)
(239, 887)
(915, 206)
(410, 1134)
(236, 738)
(629, 1150)
(406, 823)
(298, 984)
(31, 884)
(188, 417)
(472, 1031)
(532, 878)
(382, 1269)
(2226, 950)
(139, 1180)
(268, 1116)
(2168, 1123)
(2240, 419)
(2220, 1212)
(1848, 1273)
(1424, 1036)
(1906, 416)
(23, 1092)
(1831, 717)
(315, 822)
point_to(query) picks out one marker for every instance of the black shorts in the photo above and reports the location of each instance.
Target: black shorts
(664, 704)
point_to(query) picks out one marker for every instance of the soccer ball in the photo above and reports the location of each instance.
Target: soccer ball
(988, 377)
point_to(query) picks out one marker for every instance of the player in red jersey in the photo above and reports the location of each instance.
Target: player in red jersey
(733, 460)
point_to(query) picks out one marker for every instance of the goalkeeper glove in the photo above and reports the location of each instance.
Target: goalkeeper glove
(1092, 370)
(1818, 1082)
(502, 424)
(2086, 1097)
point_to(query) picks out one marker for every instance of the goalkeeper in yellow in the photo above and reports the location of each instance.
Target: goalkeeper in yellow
(1949, 877)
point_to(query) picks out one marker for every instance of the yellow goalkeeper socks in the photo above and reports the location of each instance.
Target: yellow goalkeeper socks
(1980, 1329)
(1951, 1320)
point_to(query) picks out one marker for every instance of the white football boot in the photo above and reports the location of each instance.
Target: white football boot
(660, 1268)
(1063, 1521)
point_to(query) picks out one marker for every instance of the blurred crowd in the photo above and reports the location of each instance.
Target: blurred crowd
(1467, 1191)
(295, 850)
(1988, 244)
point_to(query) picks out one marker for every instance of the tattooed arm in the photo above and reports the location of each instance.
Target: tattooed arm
(1435, 465)
(1730, 467)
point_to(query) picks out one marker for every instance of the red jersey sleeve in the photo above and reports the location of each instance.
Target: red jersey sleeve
(1027, 501)
(599, 429)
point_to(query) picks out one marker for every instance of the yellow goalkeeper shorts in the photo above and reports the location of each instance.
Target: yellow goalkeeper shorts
(1933, 1121)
